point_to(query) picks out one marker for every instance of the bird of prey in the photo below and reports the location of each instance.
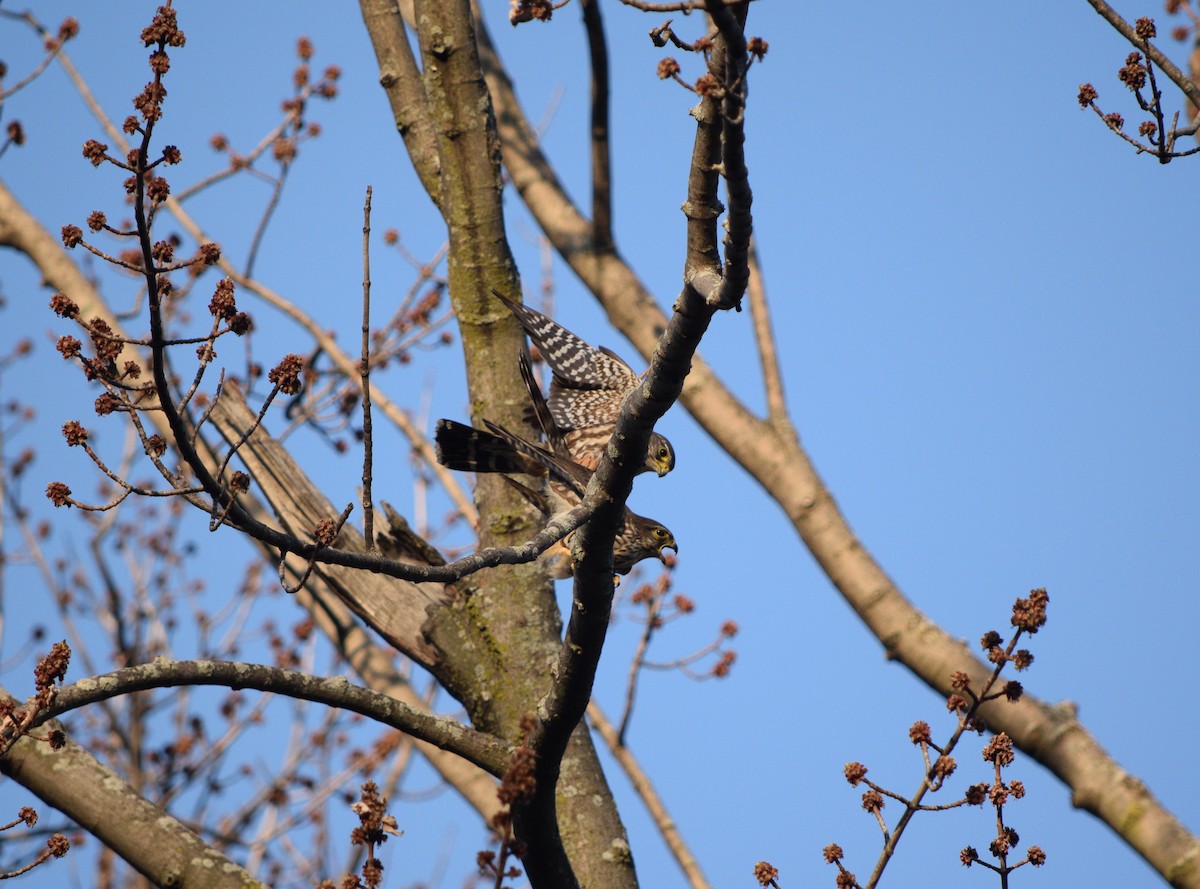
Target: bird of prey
(586, 390)
(469, 449)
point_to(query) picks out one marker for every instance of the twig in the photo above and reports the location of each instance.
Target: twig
(327, 344)
(965, 721)
(28, 18)
(324, 535)
(365, 377)
(261, 230)
(635, 665)
(1168, 67)
(764, 337)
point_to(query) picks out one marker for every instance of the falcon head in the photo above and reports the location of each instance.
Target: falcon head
(660, 456)
(640, 538)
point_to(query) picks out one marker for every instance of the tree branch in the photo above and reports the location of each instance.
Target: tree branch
(376, 668)
(602, 236)
(564, 706)
(785, 471)
(518, 608)
(475, 747)
(161, 848)
(401, 81)
(1178, 77)
(768, 353)
(342, 361)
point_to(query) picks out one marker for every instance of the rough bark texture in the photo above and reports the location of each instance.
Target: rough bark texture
(83, 789)
(500, 639)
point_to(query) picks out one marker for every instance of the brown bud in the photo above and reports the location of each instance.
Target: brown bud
(58, 493)
(63, 306)
(855, 772)
(765, 873)
(74, 433)
(71, 236)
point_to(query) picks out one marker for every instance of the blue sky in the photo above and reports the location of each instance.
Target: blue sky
(988, 319)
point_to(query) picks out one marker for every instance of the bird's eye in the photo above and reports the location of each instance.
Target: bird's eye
(662, 452)
(660, 532)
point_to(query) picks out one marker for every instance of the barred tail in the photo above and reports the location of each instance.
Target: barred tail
(468, 449)
(560, 468)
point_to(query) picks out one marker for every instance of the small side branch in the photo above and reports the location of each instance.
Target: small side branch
(365, 377)
(1126, 30)
(764, 336)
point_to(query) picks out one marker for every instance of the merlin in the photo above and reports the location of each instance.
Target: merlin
(469, 449)
(586, 390)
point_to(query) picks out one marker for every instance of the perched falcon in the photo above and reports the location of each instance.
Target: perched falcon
(586, 390)
(475, 450)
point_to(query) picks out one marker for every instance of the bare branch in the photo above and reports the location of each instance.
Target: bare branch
(482, 750)
(396, 610)
(365, 377)
(160, 847)
(602, 237)
(321, 336)
(376, 667)
(564, 705)
(401, 80)
(1050, 734)
(1178, 77)
(768, 353)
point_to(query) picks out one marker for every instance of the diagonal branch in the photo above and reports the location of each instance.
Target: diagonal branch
(93, 796)
(768, 351)
(1178, 77)
(401, 81)
(1049, 734)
